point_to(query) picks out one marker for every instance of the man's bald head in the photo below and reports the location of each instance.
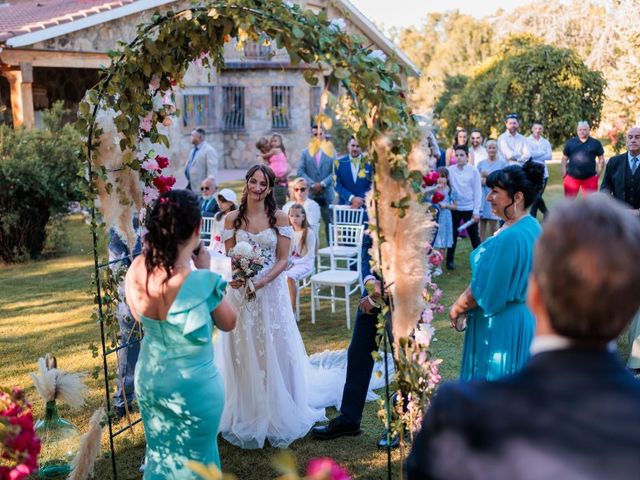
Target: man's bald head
(633, 141)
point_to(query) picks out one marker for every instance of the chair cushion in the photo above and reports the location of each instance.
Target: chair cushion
(336, 277)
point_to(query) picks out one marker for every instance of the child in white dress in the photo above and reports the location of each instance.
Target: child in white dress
(303, 249)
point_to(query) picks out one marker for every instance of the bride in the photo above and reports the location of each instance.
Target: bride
(263, 362)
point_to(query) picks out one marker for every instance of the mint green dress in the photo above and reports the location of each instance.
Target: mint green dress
(500, 330)
(179, 390)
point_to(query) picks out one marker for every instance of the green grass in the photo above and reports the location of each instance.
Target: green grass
(45, 306)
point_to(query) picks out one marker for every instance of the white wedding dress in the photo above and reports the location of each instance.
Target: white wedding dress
(273, 391)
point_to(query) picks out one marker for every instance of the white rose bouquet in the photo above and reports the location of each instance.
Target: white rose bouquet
(247, 261)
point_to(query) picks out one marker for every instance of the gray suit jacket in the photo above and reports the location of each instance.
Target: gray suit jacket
(205, 164)
(308, 170)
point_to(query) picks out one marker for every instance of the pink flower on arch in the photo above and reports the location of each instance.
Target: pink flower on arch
(146, 122)
(150, 165)
(150, 194)
(326, 468)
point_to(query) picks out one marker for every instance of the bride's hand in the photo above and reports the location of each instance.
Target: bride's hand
(237, 283)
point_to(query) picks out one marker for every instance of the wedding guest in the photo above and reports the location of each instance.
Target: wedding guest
(208, 204)
(299, 193)
(477, 152)
(444, 237)
(488, 219)
(434, 152)
(227, 202)
(303, 250)
(540, 149)
(579, 167)
(465, 181)
(353, 177)
(129, 334)
(512, 145)
(317, 170)
(459, 139)
(202, 162)
(572, 412)
(499, 324)
(622, 181)
(179, 391)
(273, 153)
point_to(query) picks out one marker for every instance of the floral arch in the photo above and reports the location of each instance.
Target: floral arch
(129, 110)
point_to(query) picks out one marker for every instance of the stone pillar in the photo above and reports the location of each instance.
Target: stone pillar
(21, 95)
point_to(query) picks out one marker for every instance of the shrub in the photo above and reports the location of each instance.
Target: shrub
(38, 177)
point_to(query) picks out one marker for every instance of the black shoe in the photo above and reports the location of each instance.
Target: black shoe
(120, 412)
(395, 442)
(451, 266)
(334, 429)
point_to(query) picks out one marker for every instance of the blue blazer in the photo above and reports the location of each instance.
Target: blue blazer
(345, 184)
(308, 170)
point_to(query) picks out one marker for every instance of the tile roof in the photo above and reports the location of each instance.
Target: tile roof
(18, 17)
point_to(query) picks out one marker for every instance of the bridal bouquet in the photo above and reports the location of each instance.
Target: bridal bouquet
(247, 261)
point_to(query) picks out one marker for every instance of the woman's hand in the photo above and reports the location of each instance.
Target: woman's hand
(237, 283)
(202, 260)
(454, 312)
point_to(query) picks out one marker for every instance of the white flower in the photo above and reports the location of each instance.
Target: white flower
(158, 102)
(337, 25)
(289, 4)
(424, 333)
(242, 249)
(377, 55)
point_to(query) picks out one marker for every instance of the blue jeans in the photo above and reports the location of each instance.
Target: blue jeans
(127, 356)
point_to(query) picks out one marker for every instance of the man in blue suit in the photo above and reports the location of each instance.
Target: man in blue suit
(359, 360)
(317, 170)
(353, 177)
(573, 411)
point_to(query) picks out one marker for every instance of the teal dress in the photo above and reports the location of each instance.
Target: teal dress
(500, 330)
(179, 390)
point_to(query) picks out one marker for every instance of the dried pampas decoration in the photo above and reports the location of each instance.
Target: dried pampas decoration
(117, 210)
(406, 233)
(55, 384)
(84, 462)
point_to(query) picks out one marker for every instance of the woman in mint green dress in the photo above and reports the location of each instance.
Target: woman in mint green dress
(178, 388)
(500, 326)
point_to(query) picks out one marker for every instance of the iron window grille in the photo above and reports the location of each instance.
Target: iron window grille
(280, 108)
(233, 112)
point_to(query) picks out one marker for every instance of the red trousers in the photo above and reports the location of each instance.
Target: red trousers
(572, 186)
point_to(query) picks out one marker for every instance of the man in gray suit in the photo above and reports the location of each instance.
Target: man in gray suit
(202, 162)
(317, 170)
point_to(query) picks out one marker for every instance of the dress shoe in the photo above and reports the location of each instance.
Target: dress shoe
(395, 442)
(451, 266)
(334, 429)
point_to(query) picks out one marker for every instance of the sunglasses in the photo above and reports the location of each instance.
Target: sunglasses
(202, 189)
(301, 189)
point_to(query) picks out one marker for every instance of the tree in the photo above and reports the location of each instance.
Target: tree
(538, 81)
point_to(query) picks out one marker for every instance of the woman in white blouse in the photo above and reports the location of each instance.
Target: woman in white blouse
(299, 193)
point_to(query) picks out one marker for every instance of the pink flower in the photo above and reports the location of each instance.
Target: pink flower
(150, 165)
(146, 122)
(163, 162)
(150, 194)
(430, 178)
(20, 472)
(437, 197)
(326, 468)
(164, 183)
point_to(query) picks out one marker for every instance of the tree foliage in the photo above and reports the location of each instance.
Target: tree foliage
(535, 80)
(38, 177)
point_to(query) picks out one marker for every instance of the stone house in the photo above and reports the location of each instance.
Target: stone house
(52, 50)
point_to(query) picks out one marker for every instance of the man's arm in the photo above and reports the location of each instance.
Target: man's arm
(607, 180)
(328, 180)
(526, 152)
(504, 149)
(600, 165)
(477, 195)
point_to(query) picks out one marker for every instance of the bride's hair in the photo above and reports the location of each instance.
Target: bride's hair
(171, 221)
(269, 200)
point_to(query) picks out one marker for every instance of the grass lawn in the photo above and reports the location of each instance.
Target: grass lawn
(45, 306)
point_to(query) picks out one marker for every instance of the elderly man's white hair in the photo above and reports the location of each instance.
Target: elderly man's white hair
(583, 123)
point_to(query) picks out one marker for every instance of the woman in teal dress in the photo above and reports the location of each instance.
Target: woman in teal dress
(500, 326)
(178, 388)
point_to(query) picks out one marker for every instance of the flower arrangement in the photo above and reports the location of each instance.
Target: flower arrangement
(247, 261)
(19, 445)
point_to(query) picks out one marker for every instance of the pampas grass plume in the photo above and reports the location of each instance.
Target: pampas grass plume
(55, 384)
(84, 461)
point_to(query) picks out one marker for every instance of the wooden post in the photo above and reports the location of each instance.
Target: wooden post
(21, 95)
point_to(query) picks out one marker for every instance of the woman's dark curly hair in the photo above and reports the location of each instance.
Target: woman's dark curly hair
(527, 179)
(269, 200)
(171, 221)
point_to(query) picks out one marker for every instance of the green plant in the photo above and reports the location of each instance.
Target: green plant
(38, 177)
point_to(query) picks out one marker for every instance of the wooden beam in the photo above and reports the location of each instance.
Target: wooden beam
(44, 58)
(21, 98)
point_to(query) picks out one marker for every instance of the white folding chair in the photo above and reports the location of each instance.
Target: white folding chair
(345, 215)
(349, 280)
(302, 283)
(342, 246)
(206, 230)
